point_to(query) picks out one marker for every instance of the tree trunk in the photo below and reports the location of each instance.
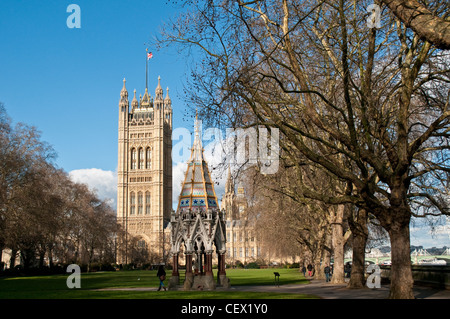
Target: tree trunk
(338, 246)
(401, 273)
(12, 260)
(28, 257)
(427, 25)
(316, 264)
(41, 258)
(326, 260)
(50, 256)
(2, 246)
(358, 226)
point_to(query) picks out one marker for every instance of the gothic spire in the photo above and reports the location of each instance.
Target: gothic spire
(198, 188)
(124, 92)
(167, 100)
(134, 102)
(123, 102)
(159, 90)
(197, 149)
(229, 184)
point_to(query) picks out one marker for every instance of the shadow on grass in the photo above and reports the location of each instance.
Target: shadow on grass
(54, 286)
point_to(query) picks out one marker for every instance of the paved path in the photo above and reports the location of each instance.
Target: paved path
(326, 290)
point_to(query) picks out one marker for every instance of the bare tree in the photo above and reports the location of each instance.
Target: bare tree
(42, 213)
(427, 24)
(367, 105)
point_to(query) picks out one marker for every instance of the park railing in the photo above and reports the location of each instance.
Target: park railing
(433, 276)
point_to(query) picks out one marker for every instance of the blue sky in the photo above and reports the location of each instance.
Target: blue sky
(67, 81)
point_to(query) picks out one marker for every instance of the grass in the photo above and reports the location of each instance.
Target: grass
(54, 287)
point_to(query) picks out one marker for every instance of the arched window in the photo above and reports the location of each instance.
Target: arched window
(142, 244)
(147, 203)
(132, 204)
(133, 158)
(140, 203)
(141, 158)
(148, 163)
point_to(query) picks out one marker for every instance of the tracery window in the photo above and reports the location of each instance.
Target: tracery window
(140, 203)
(133, 158)
(141, 158)
(132, 204)
(148, 157)
(147, 203)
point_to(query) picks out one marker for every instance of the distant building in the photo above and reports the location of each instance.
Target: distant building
(242, 244)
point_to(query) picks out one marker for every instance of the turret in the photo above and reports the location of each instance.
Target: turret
(134, 102)
(123, 96)
(167, 100)
(168, 109)
(159, 91)
(123, 106)
(159, 104)
(229, 184)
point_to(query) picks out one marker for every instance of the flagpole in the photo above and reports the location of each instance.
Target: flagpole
(146, 69)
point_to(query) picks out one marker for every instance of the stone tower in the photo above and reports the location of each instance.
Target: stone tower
(144, 173)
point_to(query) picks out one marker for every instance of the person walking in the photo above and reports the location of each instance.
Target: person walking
(162, 276)
(327, 273)
(304, 271)
(347, 270)
(310, 268)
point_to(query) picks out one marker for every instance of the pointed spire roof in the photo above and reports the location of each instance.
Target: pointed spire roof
(145, 102)
(197, 148)
(134, 102)
(124, 92)
(198, 191)
(167, 99)
(229, 184)
(159, 90)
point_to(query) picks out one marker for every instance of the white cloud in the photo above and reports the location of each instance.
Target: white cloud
(178, 172)
(422, 234)
(104, 183)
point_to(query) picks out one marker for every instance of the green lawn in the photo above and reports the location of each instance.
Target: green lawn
(54, 287)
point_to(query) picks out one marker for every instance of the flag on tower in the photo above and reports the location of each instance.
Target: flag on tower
(149, 55)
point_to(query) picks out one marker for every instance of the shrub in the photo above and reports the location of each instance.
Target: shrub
(253, 265)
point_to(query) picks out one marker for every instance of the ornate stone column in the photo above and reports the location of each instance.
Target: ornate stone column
(189, 275)
(189, 264)
(175, 265)
(208, 263)
(221, 266)
(207, 280)
(222, 279)
(174, 280)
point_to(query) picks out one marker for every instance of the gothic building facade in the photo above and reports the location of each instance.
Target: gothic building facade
(242, 243)
(144, 185)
